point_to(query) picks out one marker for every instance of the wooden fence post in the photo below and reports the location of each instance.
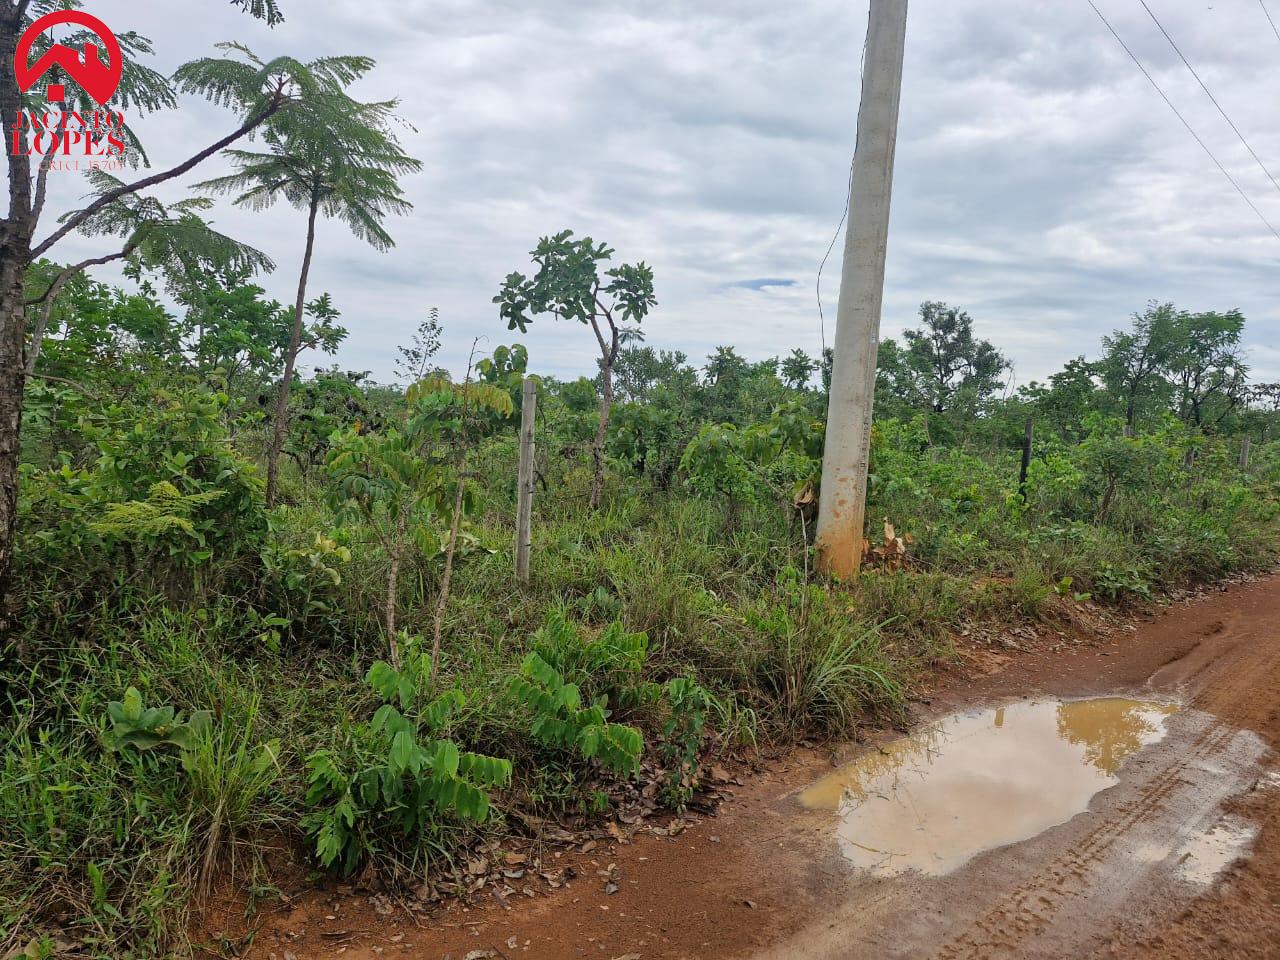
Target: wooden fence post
(525, 480)
(1026, 458)
(1244, 453)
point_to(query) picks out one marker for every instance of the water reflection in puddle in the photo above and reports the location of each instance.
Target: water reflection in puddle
(981, 780)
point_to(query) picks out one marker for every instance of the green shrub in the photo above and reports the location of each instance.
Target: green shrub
(559, 719)
(167, 502)
(687, 704)
(400, 775)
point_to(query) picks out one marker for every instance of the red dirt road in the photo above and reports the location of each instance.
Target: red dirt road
(764, 879)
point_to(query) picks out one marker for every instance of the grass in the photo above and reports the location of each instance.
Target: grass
(113, 848)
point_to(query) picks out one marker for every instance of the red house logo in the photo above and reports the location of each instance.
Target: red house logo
(99, 80)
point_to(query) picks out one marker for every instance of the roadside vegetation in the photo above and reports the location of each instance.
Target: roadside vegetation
(196, 679)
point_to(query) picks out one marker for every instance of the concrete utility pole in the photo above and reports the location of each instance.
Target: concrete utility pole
(842, 508)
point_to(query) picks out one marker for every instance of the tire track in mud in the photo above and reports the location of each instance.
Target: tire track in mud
(1111, 877)
(1097, 868)
(1226, 761)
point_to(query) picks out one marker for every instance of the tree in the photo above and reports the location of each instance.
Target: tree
(798, 369)
(638, 371)
(340, 159)
(1264, 399)
(412, 479)
(897, 386)
(415, 358)
(1206, 366)
(569, 285)
(231, 331)
(1134, 359)
(949, 361)
(99, 336)
(256, 91)
(1064, 404)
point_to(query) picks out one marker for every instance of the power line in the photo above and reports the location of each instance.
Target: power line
(1177, 113)
(822, 320)
(1211, 97)
(1274, 30)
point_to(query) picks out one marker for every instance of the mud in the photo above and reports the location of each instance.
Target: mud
(975, 781)
(1177, 855)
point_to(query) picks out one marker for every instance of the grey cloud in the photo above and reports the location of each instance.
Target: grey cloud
(1041, 184)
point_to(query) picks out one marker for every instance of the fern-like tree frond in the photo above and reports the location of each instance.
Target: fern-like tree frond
(173, 240)
(258, 91)
(330, 156)
(267, 10)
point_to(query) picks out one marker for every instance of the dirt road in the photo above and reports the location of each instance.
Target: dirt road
(1177, 856)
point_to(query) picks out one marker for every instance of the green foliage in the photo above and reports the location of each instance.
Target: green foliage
(782, 455)
(608, 664)
(149, 562)
(716, 464)
(145, 729)
(681, 744)
(820, 667)
(568, 284)
(560, 720)
(165, 498)
(303, 582)
(400, 774)
(943, 365)
(415, 359)
(506, 369)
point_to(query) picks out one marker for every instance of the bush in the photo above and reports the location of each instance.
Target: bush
(398, 776)
(166, 503)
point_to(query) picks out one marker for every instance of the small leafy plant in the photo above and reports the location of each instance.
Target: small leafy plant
(682, 736)
(404, 775)
(145, 728)
(561, 721)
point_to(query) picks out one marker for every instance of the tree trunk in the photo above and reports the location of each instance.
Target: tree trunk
(454, 527)
(524, 479)
(394, 554)
(290, 361)
(13, 378)
(608, 353)
(15, 254)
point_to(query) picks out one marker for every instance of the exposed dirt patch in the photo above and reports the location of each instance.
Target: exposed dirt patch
(764, 878)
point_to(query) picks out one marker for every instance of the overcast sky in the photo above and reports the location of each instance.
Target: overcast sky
(1041, 183)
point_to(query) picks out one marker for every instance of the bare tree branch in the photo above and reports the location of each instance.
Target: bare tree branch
(50, 300)
(42, 178)
(111, 196)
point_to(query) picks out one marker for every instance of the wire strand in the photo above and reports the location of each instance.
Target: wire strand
(1178, 114)
(1212, 98)
(1274, 29)
(848, 194)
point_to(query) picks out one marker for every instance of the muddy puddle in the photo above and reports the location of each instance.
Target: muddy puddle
(976, 781)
